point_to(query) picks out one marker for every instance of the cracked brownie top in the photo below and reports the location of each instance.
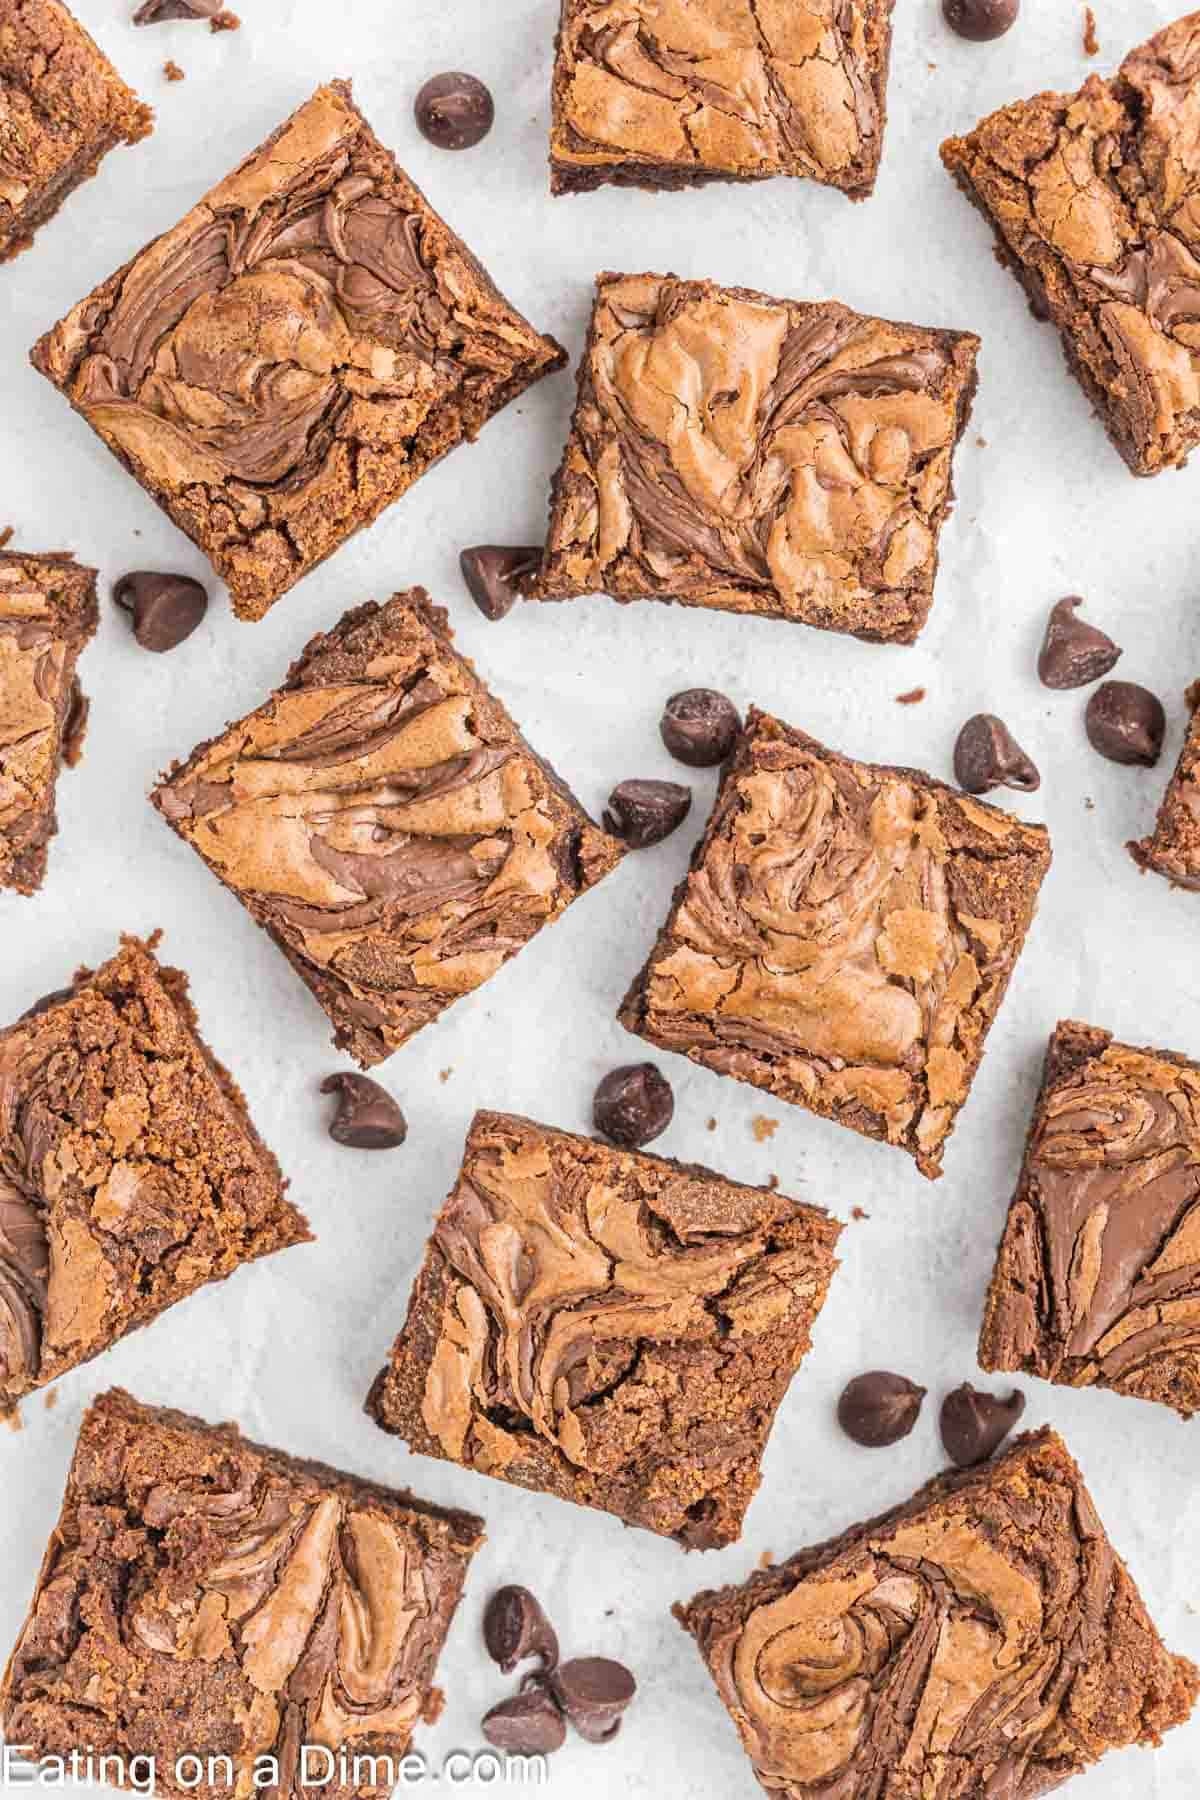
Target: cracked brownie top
(295, 353)
(659, 93)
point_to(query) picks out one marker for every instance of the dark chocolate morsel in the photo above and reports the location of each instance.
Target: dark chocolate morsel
(514, 1627)
(879, 1408)
(492, 573)
(593, 1691)
(367, 1117)
(633, 1105)
(164, 609)
(981, 20)
(1073, 652)
(699, 727)
(974, 1425)
(162, 12)
(529, 1723)
(454, 111)
(1126, 723)
(987, 756)
(645, 812)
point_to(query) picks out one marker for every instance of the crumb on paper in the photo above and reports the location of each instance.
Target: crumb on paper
(763, 1128)
(1090, 804)
(712, 1125)
(6, 535)
(225, 21)
(173, 72)
(1091, 43)
(773, 1182)
(51, 1399)
(767, 1559)
(445, 1074)
(981, 443)
(12, 1418)
(913, 697)
(856, 1212)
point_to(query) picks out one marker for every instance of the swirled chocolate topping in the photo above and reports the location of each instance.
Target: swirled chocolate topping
(758, 455)
(946, 1649)
(1097, 1280)
(1095, 197)
(844, 938)
(205, 1589)
(293, 354)
(384, 819)
(130, 1173)
(662, 93)
(48, 613)
(610, 1327)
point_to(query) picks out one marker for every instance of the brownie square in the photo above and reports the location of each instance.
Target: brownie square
(287, 361)
(1093, 199)
(983, 1639)
(382, 817)
(778, 457)
(130, 1171)
(203, 1596)
(844, 938)
(63, 107)
(610, 1328)
(1097, 1278)
(1173, 847)
(48, 614)
(668, 96)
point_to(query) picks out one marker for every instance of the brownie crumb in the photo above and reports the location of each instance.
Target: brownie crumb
(773, 1182)
(225, 21)
(6, 536)
(856, 1212)
(712, 1125)
(763, 1128)
(173, 72)
(913, 697)
(767, 1560)
(1091, 43)
(445, 1074)
(981, 443)
(12, 1418)
(51, 1399)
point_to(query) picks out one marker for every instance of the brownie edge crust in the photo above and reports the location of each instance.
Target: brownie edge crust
(982, 1639)
(1172, 849)
(611, 1328)
(205, 1594)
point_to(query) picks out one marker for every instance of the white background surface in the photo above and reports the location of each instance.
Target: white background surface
(288, 1347)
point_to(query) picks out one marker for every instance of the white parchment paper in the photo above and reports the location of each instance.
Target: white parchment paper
(288, 1347)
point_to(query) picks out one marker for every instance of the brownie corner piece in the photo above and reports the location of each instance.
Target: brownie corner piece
(378, 344)
(783, 458)
(1097, 1277)
(205, 1594)
(131, 1173)
(63, 107)
(993, 1597)
(610, 1328)
(667, 97)
(384, 820)
(48, 615)
(1172, 849)
(844, 938)
(1095, 203)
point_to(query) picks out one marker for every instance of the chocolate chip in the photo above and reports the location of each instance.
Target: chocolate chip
(1126, 723)
(164, 609)
(981, 20)
(529, 1723)
(492, 573)
(974, 1424)
(162, 12)
(699, 727)
(645, 812)
(987, 756)
(593, 1692)
(1073, 652)
(367, 1117)
(633, 1105)
(514, 1627)
(879, 1408)
(454, 111)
